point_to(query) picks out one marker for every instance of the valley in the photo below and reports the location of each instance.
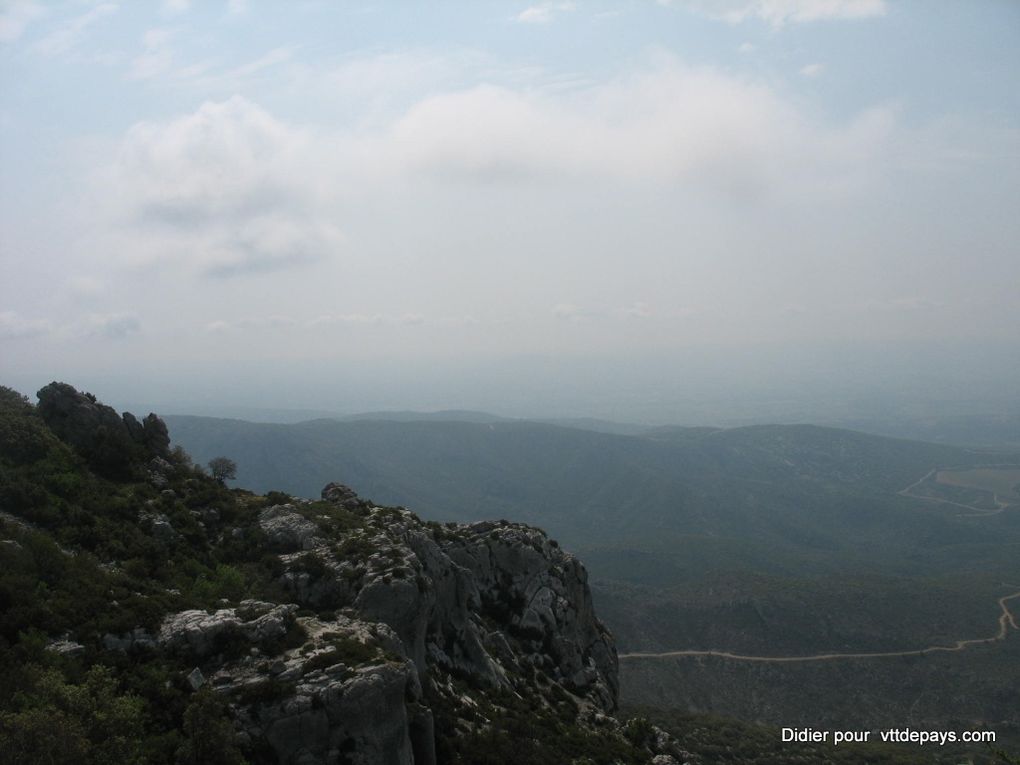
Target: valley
(736, 567)
(1006, 621)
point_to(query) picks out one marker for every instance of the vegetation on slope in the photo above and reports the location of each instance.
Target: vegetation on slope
(100, 541)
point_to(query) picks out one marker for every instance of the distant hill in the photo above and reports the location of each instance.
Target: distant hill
(997, 431)
(443, 415)
(818, 491)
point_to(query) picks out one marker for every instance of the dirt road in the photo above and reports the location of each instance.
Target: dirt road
(1006, 621)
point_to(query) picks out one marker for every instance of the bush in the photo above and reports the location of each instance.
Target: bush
(209, 734)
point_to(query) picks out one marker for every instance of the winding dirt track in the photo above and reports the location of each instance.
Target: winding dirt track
(1006, 621)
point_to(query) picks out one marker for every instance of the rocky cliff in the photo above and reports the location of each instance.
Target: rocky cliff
(491, 607)
(326, 631)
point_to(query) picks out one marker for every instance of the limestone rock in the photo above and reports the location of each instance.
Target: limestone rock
(200, 633)
(196, 679)
(65, 647)
(343, 495)
(288, 530)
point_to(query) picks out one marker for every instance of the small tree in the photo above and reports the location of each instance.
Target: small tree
(223, 468)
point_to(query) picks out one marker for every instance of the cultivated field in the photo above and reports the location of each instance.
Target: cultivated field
(1003, 482)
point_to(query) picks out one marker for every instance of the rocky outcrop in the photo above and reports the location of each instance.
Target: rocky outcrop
(287, 530)
(200, 633)
(521, 572)
(411, 618)
(108, 440)
(343, 496)
(489, 602)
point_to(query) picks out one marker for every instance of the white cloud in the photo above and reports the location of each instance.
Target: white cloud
(568, 312)
(535, 15)
(86, 286)
(237, 7)
(15, 326)
(637, 311)
(65, 37)
(221, 191)
(108, 325)
(230, 190)
(812, 70)
(16, 16)
(176, 6)
(278, 322)
(113, 326)
(542, 14)
(272, 58)
(670, 123)
(780, 12)
(157, 57)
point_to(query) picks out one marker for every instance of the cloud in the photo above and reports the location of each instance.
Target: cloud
(222, 191)
(669, 123)
(230, 190)
(176, 6)
(781, 12)
(637, 311)
(157, 57)
(812, 70)
(15, 326)
(85, 286)
(278, 322)
(237, 7)
(65, 37)
(113, 326)
(272, 58)
(570, 312)
(110, 325)
(542, 14)
(16, 16)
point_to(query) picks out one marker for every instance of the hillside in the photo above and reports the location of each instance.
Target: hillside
(151, 615)
(777, 481)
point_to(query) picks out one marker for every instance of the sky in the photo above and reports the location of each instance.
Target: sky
(640, 209)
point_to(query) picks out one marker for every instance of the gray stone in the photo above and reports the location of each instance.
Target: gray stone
(66, 647)
(199, 633)
(196, 679)
(288, 530)
(342, 495)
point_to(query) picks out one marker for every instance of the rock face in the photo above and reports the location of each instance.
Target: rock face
(97, 431)
(408, 613)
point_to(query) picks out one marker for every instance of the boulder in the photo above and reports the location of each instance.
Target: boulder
(345, 496)
(199, 633)
(287, 529)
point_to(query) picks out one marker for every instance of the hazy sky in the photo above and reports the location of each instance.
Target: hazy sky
(375, 205)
